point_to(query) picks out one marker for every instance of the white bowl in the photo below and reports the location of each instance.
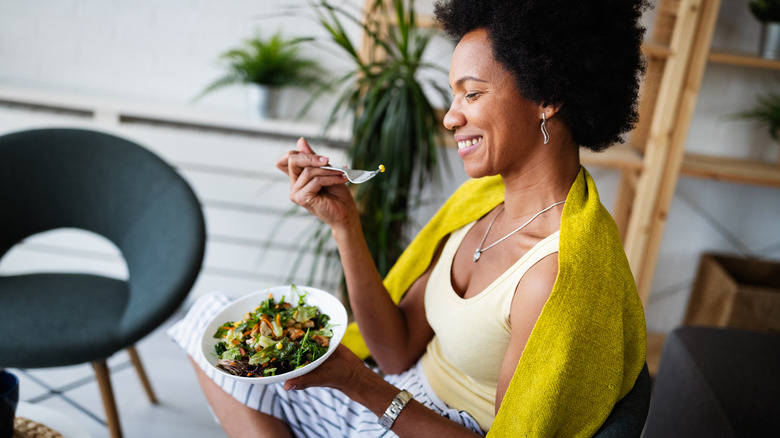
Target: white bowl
(327, 303)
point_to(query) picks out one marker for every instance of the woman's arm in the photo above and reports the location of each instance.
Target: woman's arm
(346, 372)
(532, 293)
(395, 334)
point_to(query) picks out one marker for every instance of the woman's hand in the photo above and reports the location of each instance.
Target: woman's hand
(321, 192)
(347, 373)
(342, 370)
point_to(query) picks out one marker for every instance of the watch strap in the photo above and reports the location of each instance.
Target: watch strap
(395, 408)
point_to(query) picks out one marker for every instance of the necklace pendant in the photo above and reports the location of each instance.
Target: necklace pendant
(477, 253)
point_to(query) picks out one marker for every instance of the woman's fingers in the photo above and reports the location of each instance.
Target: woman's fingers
(295, 163)
(302, 159)
(307, 179)
(302, 148)
(303, 168)
(306, 190)
(299, 162)
(281, 163)
(314, 188)
(338, 371)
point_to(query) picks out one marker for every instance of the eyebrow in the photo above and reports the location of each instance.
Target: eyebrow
(460, 81)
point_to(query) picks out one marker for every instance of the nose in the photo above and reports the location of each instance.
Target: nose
(454, 117)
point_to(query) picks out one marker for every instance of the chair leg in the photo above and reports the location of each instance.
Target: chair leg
(107, 393)
(139, 368)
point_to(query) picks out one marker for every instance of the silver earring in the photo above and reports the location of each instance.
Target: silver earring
(544, 129)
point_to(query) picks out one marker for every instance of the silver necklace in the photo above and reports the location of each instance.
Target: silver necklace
(480, 250)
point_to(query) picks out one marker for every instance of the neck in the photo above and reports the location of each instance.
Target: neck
(541, 182)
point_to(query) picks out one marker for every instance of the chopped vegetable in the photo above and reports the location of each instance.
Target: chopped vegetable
(275, 332)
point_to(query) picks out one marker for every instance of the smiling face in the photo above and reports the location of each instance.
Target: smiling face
(496, 128)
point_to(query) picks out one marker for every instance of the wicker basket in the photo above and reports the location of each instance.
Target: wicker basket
(26, 428)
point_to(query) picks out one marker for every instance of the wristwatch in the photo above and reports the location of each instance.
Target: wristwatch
(395, 408)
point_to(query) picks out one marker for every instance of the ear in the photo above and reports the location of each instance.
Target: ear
(549, 111)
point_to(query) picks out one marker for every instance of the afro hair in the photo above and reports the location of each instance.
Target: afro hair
(583, 56)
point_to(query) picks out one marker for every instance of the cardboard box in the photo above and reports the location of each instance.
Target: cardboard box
(736, 292)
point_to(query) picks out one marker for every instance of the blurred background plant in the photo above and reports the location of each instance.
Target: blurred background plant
(765, 11)
(265, 66)
(768, 13)
(385, 98)
(766, 113)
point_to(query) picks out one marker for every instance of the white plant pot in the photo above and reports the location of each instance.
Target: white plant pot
(770, 41)
(263, 101)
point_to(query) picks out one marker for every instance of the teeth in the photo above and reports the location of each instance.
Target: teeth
(467, 143)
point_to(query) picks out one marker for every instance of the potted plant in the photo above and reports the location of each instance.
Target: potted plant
(393, 121)
(765, 113)
(265, 66)
(768, 13)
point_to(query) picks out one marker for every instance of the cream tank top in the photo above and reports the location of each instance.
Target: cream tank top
(463, 359)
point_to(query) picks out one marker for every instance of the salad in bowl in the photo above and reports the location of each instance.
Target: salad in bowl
(274, 335)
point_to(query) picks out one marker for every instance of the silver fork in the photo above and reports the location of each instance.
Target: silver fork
(356, 176)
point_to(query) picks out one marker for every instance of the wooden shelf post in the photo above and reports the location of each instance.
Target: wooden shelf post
(660, 137)
(670, 169)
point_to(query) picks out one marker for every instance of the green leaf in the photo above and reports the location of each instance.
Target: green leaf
(258, 358)
(231, 353)
(305, 313)
(220, 348)
(766, 113)
(274, 62)
(223, 329)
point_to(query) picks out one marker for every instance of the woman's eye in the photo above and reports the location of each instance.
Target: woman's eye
(472, 96)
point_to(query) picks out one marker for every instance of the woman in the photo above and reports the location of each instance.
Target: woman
(516, 312)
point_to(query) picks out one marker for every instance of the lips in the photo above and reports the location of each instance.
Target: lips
(464, 143)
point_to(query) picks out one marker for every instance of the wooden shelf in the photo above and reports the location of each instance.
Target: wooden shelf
(622, 156)
(656, 50)
(694, 165)
(731, 169)
(113, 112)
(743, 59)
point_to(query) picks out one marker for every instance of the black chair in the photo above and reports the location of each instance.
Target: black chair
(71, 178)
(716, 382)
(627, 418)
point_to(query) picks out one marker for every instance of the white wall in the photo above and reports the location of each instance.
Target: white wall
(162, 53)
(142, 50)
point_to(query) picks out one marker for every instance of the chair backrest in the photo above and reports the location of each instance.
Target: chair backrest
(628, 417)
(75, 178)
